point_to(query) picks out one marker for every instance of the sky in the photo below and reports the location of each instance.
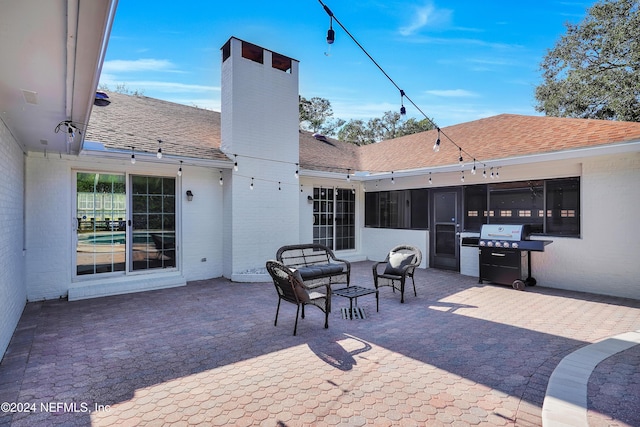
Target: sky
(457, 60)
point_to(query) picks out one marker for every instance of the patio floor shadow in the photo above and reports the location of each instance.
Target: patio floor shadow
(209, 354)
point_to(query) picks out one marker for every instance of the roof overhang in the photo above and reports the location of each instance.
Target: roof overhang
(52, 55)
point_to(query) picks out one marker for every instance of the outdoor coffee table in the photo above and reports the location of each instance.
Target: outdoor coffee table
(353, 292)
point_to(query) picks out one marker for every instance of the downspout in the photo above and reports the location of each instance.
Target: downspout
(72, 38)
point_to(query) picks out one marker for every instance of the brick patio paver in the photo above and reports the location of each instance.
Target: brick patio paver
(460, 353)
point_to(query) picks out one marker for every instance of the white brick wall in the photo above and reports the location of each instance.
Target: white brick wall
(260, 125)
(49, 230)
(606, 259)
(48, 226)
(13, 295)
(202, 222)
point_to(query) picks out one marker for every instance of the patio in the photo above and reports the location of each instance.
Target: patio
(208, 353)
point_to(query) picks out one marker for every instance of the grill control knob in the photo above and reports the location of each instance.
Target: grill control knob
(514, 245)
(482, 243)
(490, 244)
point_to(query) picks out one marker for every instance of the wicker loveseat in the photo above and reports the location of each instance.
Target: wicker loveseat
(316, 263)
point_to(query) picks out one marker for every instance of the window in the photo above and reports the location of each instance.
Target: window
(475, 207)
(397, 209)
(334, 218)
(548, 206)
(563, 203)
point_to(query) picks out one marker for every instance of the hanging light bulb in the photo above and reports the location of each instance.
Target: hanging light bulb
(297, 174)
(484, 172)
(430, 181)
(460, 159)
(436, 146)
(220, 180)
(235, 164)
(492, 175)
(393, 181)
(331, 35)
(71, 133)
(497, 173)
(473, 170)
(279, 186)
(462, 176)
(251, 186)
(133, 156)
(159, 154)
(348, 175)
(180, 169)
(403, 110)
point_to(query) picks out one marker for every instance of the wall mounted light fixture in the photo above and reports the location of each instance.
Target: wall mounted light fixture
(189, 195)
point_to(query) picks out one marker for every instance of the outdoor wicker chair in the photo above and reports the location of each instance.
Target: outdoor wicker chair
(399, 264)
(291, 288)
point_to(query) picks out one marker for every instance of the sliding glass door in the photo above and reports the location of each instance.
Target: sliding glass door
(153, 231)
(119, 233)
(101, 229)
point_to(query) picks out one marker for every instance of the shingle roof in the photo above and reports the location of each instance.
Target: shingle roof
(140, 122)
(497, 137)
(193, 132)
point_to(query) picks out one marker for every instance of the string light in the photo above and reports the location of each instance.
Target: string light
(71, 133)
(251, 186)
(235, 163)
(331, 39)
(348, 175)
(484, 173)
(279, 186)
(473, 170)
(331, 35)
(159, 154)
(133, 155)
(297, 174)
(221, 181)
(430, 181)
(403, 110)
(180, 169)
(393, 181)
(436, 146)
(460, 159)
(492, 175)
(462, 176)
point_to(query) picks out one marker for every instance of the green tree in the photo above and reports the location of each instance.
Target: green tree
(593, 71)
(389, 126)
(412, 125)
(316, 116)
(356, 132)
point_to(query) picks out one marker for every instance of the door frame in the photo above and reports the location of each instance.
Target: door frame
(446, 263)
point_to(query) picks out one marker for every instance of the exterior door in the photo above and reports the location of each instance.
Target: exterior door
(153, 228)
(101, 223)
(445, 229)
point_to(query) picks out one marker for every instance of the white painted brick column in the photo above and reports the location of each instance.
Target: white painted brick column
(259, 129)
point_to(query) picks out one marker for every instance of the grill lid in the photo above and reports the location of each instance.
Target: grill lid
(505, 232)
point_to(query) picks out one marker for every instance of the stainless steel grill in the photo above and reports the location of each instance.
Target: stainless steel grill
(501, 249)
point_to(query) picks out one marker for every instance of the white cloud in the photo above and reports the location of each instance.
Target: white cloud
(426, 15)
(122, 66)
(453, 93)
(146, 86)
